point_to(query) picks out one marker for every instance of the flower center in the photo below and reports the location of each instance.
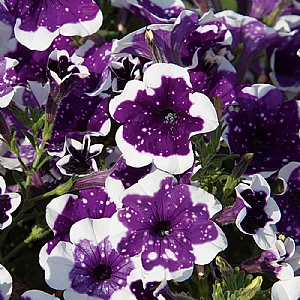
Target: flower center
(257, 139)
(170, 116)
(102, 272)
(163, 228)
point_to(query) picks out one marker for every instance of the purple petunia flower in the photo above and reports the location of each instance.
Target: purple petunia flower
(169, 224)
(257, 211)
(9, 202)
(158, 116)
(289, 202)
(88, 267)
(80, 158)
(260, 120)
(65, 72)
(38, 23)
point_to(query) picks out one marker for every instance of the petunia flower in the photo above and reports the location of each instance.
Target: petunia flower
(158, 116)
(38, 23)
(88, 267)
(280, 261)
(169, 224)
(261, 120)
(286, 289)
(79, 159)
(257, 211)
(5, 283)
(9, 202)
(289, 202)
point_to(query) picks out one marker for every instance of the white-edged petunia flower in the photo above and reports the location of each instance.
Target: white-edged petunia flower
(169, 224)
(79, 159)
(258, 211)
(158, 116)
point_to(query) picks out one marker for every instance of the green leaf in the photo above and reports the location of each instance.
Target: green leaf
(31, 138)
(20, 181)
(224, 157)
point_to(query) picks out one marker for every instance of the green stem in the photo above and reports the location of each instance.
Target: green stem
(13, 252)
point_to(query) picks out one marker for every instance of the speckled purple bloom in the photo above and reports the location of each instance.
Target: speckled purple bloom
(258, 211)
(261, 122)
(79, 158)
(38, 23)
(88, 267)
(289, 202)
(159, 115)
(169, 224)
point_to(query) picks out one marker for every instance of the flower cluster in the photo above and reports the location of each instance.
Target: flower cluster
(149, 149)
